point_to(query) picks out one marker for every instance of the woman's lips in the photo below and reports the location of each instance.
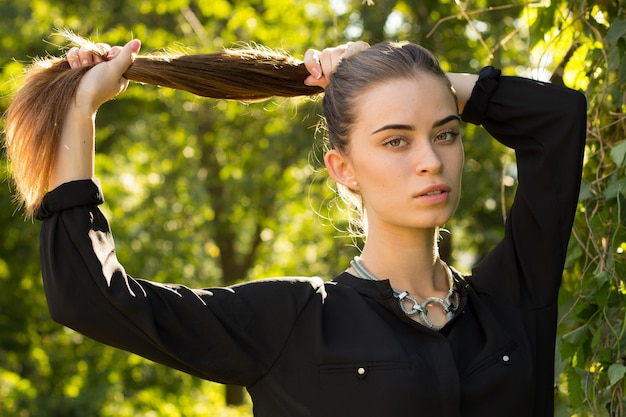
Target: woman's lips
(434, 194)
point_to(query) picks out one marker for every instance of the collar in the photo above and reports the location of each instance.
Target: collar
(381, 290)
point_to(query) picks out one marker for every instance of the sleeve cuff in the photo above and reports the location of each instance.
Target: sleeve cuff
(70, 194)
(476, 107)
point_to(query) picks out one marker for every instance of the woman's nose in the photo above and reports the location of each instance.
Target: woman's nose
(428, 160)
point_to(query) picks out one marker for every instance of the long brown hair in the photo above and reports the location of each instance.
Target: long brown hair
(35, 116)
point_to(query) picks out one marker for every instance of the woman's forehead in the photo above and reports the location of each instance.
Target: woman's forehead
(424, 99)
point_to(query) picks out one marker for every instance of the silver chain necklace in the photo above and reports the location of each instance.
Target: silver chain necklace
(409, 304)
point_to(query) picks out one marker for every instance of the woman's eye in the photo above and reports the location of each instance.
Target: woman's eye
(447, 136)
(395, 142)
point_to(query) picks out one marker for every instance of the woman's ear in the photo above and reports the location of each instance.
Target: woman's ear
(340, 169)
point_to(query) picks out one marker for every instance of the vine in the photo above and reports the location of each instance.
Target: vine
(592, 346)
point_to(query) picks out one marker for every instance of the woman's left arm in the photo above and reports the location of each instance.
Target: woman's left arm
(463, 84)
(546, 126)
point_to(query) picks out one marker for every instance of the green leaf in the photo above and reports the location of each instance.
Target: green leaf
(621, 50)
(602, 295)
(575, 253)
(561, 410)
(616, 373)
(602, 277)
(616, 31)
(618, 154)
(574, 384)
(615, 188)
(575, 336)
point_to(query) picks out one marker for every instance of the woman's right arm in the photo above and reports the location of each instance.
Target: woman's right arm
(230, 335)
(75, 155)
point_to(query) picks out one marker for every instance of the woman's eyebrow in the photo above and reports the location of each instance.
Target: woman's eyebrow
(446, 120)
(394, 127)
(411, 127)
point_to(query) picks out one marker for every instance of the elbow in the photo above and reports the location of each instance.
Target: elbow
(61, 313)
(579, 103)
(574, 105)
(572, 108)
(579, 113)
(60, 297)
(71, 318)
(565, 102)
(66, 309)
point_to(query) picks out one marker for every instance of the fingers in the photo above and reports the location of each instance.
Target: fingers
(322, 64)
(72, 58)
(106, 79)
(123, 57)
(331, 57)
(113, 52)
(87, 54)
(91, 54)
(312, 63)
(354, 48)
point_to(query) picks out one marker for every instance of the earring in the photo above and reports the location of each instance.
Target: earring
(355, 183)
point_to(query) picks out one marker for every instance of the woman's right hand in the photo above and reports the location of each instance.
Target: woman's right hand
(105, 80)
(75, 153)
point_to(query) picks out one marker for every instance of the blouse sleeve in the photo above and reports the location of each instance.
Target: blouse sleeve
(230, 335)
(546, 126)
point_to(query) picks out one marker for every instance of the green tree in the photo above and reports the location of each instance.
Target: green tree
(181, 172)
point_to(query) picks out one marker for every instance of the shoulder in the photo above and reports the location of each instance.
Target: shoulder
(280, 289)
(290, 282)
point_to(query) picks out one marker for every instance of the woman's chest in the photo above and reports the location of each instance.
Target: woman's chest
(359, 353)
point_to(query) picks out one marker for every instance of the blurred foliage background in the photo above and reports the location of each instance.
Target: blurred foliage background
(206, 192)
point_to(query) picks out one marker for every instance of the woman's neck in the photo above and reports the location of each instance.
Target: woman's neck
(409, 260)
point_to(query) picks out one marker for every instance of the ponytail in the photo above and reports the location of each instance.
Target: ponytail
(34, 119)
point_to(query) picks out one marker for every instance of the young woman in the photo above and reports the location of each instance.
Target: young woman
(398, 332)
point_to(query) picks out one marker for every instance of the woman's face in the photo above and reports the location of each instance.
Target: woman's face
(405, 153)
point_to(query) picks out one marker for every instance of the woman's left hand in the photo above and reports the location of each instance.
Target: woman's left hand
(322, 64)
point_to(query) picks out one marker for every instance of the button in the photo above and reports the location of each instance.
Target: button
(506, 359)
(361, 372)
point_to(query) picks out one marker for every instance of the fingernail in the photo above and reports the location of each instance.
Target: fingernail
(135, 44)
(316, 73)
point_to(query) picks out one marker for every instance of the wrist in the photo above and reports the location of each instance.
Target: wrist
(463, 85)
(74, 159)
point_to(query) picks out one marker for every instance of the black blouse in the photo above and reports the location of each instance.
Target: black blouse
(304, 347)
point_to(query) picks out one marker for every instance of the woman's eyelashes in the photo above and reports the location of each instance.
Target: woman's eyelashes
(449, 135)
(395, 142)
